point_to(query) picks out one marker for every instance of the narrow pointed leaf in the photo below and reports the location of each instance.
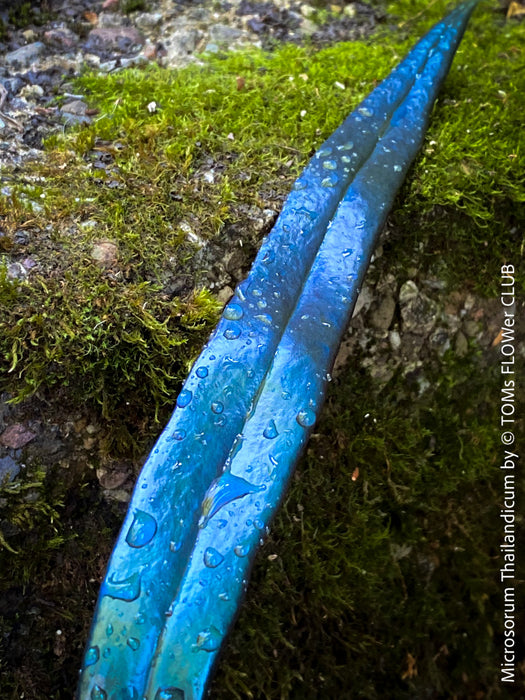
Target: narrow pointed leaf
(218, 472)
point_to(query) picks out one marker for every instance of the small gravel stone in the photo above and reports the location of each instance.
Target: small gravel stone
(26, 55)
(113, 38)
(105, 253)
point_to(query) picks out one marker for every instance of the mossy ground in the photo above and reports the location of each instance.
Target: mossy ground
(382, 587)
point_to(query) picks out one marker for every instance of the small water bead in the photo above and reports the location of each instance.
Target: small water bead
(133, 643)
(107, 652)
(347, 252)
(220, 422)
(224, 596)
(128, 589)
(299, 185)
(232, 332)
(256, 292)
(325, 151)
(242, 550)
(330, 165)
(140, 619)
(270, 431)
(109, 630)
(217, 407)
(212, 558)
(346, 146)
(261, 304)
(330, 181)
(178, 435)
(233, 312)
(184, 398)
(142, 530)
(202, 372)
(306, 418)
(365, 111)
(98, 693)
(264, 318)
(346, 159)
(92, 656)
(209, 639)
(397, 168)
(175, 546)
(169, 694)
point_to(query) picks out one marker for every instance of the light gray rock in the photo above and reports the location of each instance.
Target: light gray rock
(25, 55)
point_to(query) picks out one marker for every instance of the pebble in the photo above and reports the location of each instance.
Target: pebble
(105, 253)
(25, 56)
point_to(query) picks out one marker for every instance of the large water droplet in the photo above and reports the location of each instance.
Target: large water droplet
(98, 693)
(330, 181)
(202, 372)
(92, 656)
(212, 558)
(346, 146)
(209, 639)
(142, 530)
(306, 418)
(270, 431)
(128, 589)
(133, 643)
(217, 407)
(233, 312)
(222, 491)
(184, 398)
(178, 435)
(330, 165)
(232, 332)
(169, 694)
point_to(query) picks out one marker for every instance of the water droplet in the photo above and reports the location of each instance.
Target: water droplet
(142, 530)
(222, 491)
(109, 630)
(128, 693)
(270, 431)
(202, 372)
(365, 111)
(330, 165)
(306, 418)
(221, 420)
(259, 524)
(184, 398)
(329, 181)
(212, 558)
(346, 159)
(107, 652)
(261, 304)
(299, 185)
(264, 318)
(273, 460)
(286, 395)
(257, 292)
(133, 643)
(140, 619)
(397, 168)
(242, 550)
(98, 693)
(217, 407)
(232, 332)
(175, 546)
(325, 151)
(169, 694)
(128, 589)
(224, 596)
(233, 312)
(347, 252)
(178, 434)
(268, 257)
(209, 639)
(92, 656)
(346, 146)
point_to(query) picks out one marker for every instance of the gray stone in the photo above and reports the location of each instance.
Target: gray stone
(418, 312)
(222, 33)
(26, 55)
(75, 107)
(181, 44)
(148, 20)
(114, 39)
(9, 469)
(382, 315)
